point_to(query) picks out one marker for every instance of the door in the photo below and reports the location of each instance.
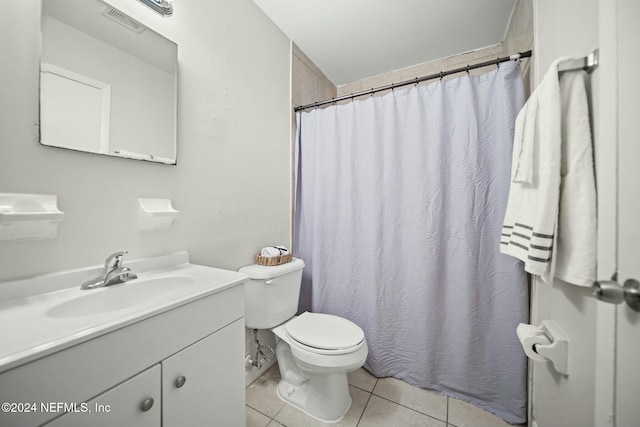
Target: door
(603, 383)
(567, 28)
(618, 328)
(75, 110)
(627, 375)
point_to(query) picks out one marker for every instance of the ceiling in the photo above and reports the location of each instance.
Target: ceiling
(353, 39)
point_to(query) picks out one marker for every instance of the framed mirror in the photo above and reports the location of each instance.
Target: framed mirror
(108, 84)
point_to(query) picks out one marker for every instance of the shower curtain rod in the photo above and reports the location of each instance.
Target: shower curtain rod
(417, 80)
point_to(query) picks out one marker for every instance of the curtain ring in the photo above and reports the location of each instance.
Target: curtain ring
(416, 81)
(468, 67)
(441, 74)
(498, 62)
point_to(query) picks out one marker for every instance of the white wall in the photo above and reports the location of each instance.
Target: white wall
(232, 181)
(233, 178)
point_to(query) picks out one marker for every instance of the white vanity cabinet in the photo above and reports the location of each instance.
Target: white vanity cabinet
(200, 387)
(201, 341)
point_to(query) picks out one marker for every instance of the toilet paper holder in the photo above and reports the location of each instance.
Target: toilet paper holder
(557, 351)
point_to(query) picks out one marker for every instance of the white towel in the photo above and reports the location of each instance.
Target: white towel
(577, 224)
(270, 251)
(550, 219)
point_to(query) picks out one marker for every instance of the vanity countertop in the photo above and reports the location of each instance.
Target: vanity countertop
(46, 314)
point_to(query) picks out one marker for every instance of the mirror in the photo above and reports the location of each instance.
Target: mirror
(108, 84)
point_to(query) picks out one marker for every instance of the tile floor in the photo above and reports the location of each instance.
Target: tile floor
(383, 402)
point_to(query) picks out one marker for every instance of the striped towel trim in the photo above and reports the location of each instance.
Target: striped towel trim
(538, 247)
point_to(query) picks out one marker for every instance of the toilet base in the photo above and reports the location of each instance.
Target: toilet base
(315, 382)
(324, 397)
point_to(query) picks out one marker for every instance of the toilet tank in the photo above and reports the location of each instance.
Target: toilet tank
(271, 294)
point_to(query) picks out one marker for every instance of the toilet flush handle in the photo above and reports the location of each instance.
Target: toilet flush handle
(269, 282)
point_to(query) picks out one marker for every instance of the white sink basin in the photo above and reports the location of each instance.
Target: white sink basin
(51, 312)
(122, 296)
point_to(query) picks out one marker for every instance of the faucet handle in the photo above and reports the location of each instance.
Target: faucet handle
(118, 259)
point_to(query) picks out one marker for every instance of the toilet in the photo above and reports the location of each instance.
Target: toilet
(315, 351)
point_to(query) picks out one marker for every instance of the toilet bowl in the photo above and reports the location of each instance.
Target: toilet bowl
(314, 358)
(315, 351)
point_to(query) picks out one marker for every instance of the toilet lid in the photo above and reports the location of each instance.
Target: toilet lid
(324, 331)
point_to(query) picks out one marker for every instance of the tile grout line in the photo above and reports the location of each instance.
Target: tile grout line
(280, 410)
(446, 420)
(260, 412)
(364, 409)
(363, 389)
(447, 410)
(409, 408)
(368, 399)
(257, 410)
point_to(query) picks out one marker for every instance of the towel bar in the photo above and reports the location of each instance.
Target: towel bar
(587, 63)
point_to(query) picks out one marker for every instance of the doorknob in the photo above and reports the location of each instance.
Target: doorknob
(610, 291)
(632, 294)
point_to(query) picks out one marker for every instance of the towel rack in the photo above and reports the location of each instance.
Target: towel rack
(587, 63)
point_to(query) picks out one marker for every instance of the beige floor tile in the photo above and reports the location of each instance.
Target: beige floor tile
(256, 419)
(362, 379)
(463, 414)
(274, 371)
(292, 417)
(383, 413)
(261, 395)
(424, 401)
(274, 423)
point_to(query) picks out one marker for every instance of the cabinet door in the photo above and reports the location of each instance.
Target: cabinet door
(121, 405)
(203, 385)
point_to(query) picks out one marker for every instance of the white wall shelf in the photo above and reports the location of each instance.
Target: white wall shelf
(29, 216)
(156, 214)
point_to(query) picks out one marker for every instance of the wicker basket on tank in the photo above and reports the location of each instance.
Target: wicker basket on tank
(273, 260)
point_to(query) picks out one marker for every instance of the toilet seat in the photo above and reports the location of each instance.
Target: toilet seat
(324, 333)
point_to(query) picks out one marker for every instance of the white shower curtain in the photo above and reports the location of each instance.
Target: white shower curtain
(399, 205)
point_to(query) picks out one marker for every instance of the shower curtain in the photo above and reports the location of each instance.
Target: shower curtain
(399, 205)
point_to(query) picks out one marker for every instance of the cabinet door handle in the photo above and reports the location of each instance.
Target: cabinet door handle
(146, 404)
(180, 381)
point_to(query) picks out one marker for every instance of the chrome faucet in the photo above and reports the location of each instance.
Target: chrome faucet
(112, 273)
